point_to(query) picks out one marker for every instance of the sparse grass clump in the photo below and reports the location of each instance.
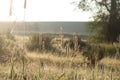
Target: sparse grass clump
(1, 44)
(9, 35)
(9, 48)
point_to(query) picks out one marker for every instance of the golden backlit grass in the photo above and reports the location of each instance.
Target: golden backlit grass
(48, 66)
(55, 66)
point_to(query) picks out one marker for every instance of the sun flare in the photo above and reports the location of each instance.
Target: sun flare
(41, 10)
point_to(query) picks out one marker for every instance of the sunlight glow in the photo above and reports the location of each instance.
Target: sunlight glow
(42, 10)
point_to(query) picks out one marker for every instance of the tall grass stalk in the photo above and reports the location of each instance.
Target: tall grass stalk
(39, 70)
(102, 72)
(41, 66)
(111, 77)
(12, 72)
(12, 68)
(93, 75)
(75, 76)
(61, 76)
(23, 66)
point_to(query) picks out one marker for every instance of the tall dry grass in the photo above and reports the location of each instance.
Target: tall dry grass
(47, 66)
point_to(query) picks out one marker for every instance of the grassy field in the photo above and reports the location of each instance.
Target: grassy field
(46, 66)
(52, 66)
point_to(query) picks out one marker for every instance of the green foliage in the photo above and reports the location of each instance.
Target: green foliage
(71, 43)
(34, 43)
(63, 78)
(111, 50)
(97, 32)
(48, 44)
(94, 53)
(106, 19)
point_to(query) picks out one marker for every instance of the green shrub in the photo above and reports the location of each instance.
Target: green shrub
(71, 43)
(94, 53)
(33, 44)
(111, 50)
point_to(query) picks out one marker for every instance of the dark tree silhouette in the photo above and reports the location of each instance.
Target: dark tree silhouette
(106, 24)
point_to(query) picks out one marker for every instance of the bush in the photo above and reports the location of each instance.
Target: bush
(33, 44)
(71, 43)
(111, 50)
(94, 53)
(8, 48)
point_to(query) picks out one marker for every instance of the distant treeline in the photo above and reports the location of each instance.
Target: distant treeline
(48, 27)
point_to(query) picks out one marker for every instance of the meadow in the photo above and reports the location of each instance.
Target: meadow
(20, 63)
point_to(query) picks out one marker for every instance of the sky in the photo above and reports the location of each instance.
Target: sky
(42, 10)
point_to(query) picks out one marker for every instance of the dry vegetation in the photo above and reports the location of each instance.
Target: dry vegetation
(26, 65)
